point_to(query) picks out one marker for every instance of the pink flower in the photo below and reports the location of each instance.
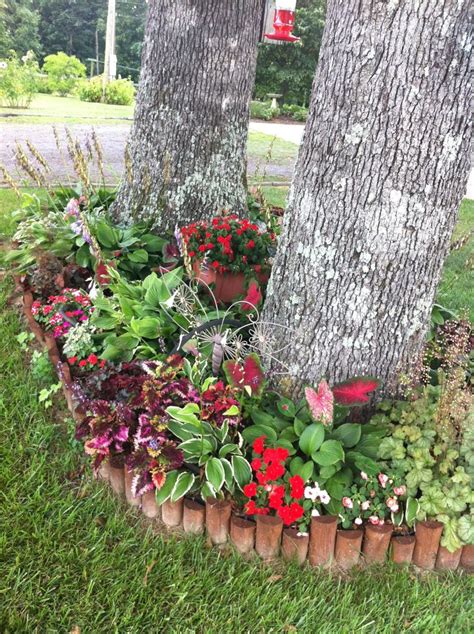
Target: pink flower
(372, 493)
(365, 505)
(373, 519)
(321, 402)
(363, 475)
(383, 479)
(392, 504)
(347, 502)
(401, 490)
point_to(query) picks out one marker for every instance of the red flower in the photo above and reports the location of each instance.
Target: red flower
(215, 264)
(250, 244)
(262, 478)
(297, 487)
(256, 464)
(92, 359)
(259, 444)
(290, 514)
(102, 363)
(275, 499)
(250, 490)
(192, 254)
(250, 508)
(275, 471)
(202, 248)
(82, 363)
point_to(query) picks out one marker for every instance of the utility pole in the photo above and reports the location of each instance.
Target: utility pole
(110, 60)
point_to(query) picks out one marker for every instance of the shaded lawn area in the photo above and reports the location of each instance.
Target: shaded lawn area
(72, 555)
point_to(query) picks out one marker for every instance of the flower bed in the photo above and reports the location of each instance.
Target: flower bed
(169, 392)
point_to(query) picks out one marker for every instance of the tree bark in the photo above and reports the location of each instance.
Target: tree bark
(380, 174)
(187, 150)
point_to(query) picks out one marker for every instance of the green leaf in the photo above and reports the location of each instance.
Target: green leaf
(153, 243)
(147, 327)
(311, 438)
(327, 472)
(286, 407)
(232, 411)
(215, 473)
(348, 433)
(207, 491)
(140, 256)
(242, 470)
(181, 430)
(226, 449)
(105, 235)
(299, 426)
(185, 414)
(330, 452)
(164, 493)
(254, 431)
(412, 508)
(301, 468)
(184, 482)
(229, 474)
(105, 322)
(363, 463)
(262, 418)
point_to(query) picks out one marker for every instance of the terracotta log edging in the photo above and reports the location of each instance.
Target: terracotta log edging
(348, 547)
(322, 540)
(446, 560)
(268, 536)
(376, 542)
(402, 547)
(242, 534)
(194, 517)
(325, 542)
(467, 558)
(428, 536)
(294, 547)
(218, 520)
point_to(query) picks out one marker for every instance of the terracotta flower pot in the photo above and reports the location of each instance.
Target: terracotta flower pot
(427, 536)
(446, 560)
(149, 506)
(242, 534)
(268, 536)
(348, 545)
(467, 557)
(131, 499)
(322, 540)
(294, 547)
(218, 519)
(228, 286)
(194, 517)
(116, 475)
(376, 542)
(172, 513)
(402, 548)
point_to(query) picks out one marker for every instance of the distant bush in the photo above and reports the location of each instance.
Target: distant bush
(43, 85)
(119, 92)
(64, 72)
(263, 110)
(18, 80)
(298, 113)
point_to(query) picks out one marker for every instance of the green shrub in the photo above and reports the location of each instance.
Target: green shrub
(18, 80)
(63, 72)
(43, 85)
(263, 110)
(119, 92)
(298, 113)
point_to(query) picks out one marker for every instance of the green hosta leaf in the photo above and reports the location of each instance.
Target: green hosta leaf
(348, 433)
(106, 235)
(165, 492)
(312, 438)
(140, 256)
(185, 414)
(254, 431)
(215, 473)
(232, 411)
(181, 430)
(146, 327)
(207, 491)
(184, 482)
(363, 463)
(242, 470)
(229, 474)
(105, 322)
(226, 449)
(126, 342)
(412, 510)
(112, 353)
(153, 243)
(196, 449)
(330, 452)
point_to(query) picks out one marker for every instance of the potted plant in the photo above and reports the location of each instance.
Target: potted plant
(228, 253)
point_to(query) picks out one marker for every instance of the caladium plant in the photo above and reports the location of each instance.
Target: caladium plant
(246, 375)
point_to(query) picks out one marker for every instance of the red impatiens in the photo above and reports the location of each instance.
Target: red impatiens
(273, 491)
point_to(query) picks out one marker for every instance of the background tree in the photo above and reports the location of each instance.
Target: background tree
(19, 27)
(188, 141)
(288, 69)
(380, 175)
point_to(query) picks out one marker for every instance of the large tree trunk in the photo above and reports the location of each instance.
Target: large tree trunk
(187, 151)
(380, 175)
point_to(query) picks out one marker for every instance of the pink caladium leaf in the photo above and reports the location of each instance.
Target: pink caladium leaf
(321, 402)
(246, 376)
(356, 391)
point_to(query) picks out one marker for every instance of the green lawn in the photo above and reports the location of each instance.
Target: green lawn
(52, 109)
(72, 555)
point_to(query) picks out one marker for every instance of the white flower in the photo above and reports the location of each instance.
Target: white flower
(315, 513)
(365, 505)
(358, 521)
(324, 497)
(308, 493)
(302, 534)
(363, 475)
(3, 65)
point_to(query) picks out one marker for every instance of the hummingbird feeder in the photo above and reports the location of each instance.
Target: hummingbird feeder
(283, 22)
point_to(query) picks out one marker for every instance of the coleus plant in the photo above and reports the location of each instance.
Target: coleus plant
(324, 447)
